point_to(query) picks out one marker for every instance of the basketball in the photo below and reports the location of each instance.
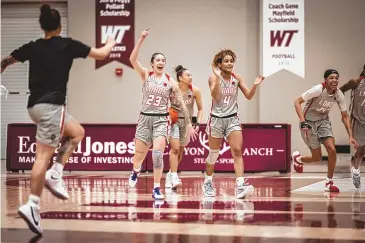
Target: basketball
(173, 115)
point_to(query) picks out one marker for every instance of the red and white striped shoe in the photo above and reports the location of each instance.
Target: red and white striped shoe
(330, 187)
(298, 166)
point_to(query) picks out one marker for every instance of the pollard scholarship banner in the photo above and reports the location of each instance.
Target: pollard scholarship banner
(283, 36)
(115, 18)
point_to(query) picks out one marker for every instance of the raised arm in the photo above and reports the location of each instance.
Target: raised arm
(20, 54)
(6, 62)
(102, 52)
(142, 71)
(249, 93)
(214, 83)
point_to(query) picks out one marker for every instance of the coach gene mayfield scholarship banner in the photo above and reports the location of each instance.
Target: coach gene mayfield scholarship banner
(115, 18)
(283, 36)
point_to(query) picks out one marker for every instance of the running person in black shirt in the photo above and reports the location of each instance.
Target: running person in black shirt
(50, 60)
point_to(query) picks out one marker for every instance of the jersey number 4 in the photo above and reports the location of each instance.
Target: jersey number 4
(226, 100)
(154, 100)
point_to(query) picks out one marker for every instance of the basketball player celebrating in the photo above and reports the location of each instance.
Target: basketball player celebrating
(357, 87)
(178, 135)
(153, 123)
(50, 60)
(223, 121)
(316, 127)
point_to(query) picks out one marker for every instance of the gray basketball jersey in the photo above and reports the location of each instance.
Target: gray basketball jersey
(318, 108)
(189, 101)
(228, 104)
(156, 94)
(358, 102)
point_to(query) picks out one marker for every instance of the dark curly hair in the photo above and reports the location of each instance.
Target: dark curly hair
(218, 58)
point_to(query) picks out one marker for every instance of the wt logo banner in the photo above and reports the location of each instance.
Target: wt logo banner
(115, 18)
(283, 36)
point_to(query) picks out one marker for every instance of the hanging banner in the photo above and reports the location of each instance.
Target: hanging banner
(283, 36)
(115, 18)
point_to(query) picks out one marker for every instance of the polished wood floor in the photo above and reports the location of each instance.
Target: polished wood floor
(101, 208)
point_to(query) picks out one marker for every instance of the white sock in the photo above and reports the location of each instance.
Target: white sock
(299, 158)
(174, 174)
(137, 170)
(208, 178)
(328, 179)
(34, 200)
(58, 167)
(355, 171)
(240, 180)
(156, 185)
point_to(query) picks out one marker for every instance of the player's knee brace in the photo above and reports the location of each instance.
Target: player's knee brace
(212, 156)
(157, 159)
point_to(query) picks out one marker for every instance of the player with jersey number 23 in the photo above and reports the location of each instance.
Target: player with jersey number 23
(154, 122)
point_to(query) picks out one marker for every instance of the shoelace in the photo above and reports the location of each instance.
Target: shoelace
(357, 179)
(60, 182)
(175, 178)
(245, 183)
(134, 176)
(209, 186)
(157, 190)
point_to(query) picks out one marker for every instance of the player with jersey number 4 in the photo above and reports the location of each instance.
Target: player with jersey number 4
(316, 127)
(223, 121)
(154, 122)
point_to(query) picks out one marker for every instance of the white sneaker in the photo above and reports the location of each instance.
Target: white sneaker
(175, 181)
(56, 185)
(168, 180)
(32, 217)
(356, 179)
(244, 190)
(156, 194)
(133, 178)
(208, 188)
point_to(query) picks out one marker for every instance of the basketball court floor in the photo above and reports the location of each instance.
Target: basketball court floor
(284, 208)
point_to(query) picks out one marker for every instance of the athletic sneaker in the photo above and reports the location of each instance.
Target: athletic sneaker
(133, 178)
(298, 166)
(208, 188)
(156, 194)
(244, 190)
(56, 185)
(31, 215)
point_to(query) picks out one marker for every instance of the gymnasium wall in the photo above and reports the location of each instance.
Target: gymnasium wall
(190, 32)
(187, 32)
